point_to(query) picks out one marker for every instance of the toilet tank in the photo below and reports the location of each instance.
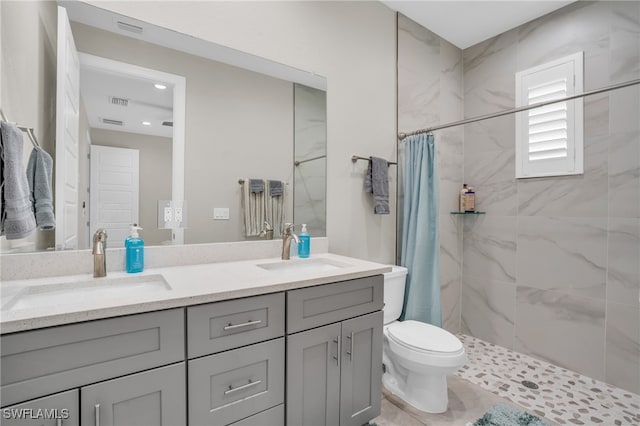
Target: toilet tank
(394, 283)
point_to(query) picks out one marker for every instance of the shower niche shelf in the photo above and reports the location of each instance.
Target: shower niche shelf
(469, 213)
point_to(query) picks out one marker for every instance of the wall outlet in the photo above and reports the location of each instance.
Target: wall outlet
(221, 213)
(168, 214)
(178, 214)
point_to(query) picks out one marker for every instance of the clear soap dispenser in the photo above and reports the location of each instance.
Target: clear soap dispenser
(134, 246)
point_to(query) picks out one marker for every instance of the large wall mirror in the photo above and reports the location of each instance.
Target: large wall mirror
(158, 128)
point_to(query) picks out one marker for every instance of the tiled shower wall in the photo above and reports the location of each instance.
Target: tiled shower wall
(430, 92)
(552, 270)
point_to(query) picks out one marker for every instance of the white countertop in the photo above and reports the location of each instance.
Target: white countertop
(189, 285)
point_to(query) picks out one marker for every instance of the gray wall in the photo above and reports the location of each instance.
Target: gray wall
(239, 124)
(552, 269)
(28, 82)
(430, 92)
(155, 176)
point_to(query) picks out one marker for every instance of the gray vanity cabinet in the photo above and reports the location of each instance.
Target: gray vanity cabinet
(313, 377)
(152, 398)
(334, 371)
(60, 409)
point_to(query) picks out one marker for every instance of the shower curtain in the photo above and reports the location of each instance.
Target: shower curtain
(420, 242)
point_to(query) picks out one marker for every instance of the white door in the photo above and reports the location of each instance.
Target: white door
(114, 192)
(68, 101)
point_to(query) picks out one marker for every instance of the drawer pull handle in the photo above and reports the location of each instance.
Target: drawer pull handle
(337, 357)
(248, 385)
(244, 324)
(97, 413)
(350, 351)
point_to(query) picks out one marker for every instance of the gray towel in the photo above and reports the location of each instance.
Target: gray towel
(377, 181)
(41, 195)
(17, 219)
(256, 185)
(275, 188)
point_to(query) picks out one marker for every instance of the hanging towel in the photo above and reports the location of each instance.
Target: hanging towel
(17, 219)
(376, 181)
(39, 171)
(256, 185)
(253, 208)
(275, 188)
(275, 206)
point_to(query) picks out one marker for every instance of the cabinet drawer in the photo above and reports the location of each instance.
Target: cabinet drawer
(46, 361)
(271, 417)
(63, 406)
(217, 327)
(232, 385)
(316, 306)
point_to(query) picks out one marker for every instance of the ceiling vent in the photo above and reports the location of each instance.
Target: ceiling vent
(167, 123)
(113, 122)
(113, 100)
(129, 27)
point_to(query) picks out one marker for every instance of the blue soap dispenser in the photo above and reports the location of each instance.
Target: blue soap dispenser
(134, 250)
(304, 246)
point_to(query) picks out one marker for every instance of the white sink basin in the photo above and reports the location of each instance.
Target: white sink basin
(86, 291)
(304, 266)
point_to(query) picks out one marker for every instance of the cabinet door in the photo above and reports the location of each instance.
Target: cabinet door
(361, 374)
(153, 398)
(313, 377)
(56, 410)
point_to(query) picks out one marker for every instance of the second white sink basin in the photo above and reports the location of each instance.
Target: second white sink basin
(86, 291)
(304, 266)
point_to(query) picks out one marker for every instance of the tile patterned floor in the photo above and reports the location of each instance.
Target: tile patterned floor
(563, 396)
(494, 374)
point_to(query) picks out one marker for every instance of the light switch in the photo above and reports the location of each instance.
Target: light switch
(221, 213)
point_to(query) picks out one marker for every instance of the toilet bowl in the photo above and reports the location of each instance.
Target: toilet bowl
(417, 357)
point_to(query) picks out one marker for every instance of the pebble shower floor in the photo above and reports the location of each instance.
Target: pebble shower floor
(563, 396)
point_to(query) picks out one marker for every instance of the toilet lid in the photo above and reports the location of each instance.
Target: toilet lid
(424, 337)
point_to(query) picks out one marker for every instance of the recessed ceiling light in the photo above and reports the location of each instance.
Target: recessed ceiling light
(146, 123)
(160, 86)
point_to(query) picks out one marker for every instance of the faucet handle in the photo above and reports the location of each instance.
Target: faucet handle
(289, 227)
(100, 236)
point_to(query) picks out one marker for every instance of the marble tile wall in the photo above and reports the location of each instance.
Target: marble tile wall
(552, 270)
(430, 91)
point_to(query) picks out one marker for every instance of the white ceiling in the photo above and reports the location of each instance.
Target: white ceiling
(146, 103)
(466, 23)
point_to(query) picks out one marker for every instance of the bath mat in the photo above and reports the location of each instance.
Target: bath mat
(508, 415)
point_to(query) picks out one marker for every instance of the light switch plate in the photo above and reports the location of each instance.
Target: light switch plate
(221, 213)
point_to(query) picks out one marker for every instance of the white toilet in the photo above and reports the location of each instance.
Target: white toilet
(417, 357)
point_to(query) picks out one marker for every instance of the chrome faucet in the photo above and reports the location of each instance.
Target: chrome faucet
(287, 235)
(99, 256)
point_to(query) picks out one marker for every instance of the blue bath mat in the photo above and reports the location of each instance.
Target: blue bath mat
(508, 415)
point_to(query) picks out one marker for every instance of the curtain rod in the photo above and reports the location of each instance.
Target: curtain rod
(402, 136)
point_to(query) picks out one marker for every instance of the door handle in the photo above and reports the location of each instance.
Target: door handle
(244, 324)
(337, 357)
(97, 414)
(239, 388)
(350, 351)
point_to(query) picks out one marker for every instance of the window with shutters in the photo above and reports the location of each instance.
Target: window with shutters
(549, 138)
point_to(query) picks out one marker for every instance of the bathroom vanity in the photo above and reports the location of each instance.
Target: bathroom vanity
(289, 343)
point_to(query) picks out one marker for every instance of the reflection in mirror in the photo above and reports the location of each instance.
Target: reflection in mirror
(238, 123)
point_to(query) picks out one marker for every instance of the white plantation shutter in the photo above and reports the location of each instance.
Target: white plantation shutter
(549, 138)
